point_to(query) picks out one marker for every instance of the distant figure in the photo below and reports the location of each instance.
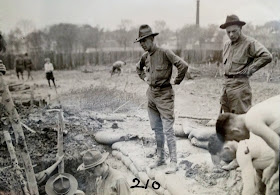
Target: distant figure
(19, 64)
(109, 180)
(117, 67)
(242, 57)
(28, 66)
(49, 71)
(2, 68)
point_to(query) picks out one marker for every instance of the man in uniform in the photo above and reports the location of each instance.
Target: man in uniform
(263, 120)
(117, 67)
(242, 56)
(19, 64)
(109, 180)
(28, 65)
(158, 64)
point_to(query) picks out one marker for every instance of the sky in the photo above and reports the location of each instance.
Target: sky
(109, 13)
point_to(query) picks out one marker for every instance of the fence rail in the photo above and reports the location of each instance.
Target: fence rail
(74, 60)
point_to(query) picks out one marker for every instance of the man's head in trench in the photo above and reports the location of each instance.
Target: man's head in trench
(94, 163)
(231, 127)
(221, 151)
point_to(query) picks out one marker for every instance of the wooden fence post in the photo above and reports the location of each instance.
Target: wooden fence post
(20, 138)
(15, 162)
(60, 141)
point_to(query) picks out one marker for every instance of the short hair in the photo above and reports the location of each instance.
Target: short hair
(215, 145)
(222, 124)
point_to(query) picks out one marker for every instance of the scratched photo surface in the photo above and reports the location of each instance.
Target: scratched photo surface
(138, 97)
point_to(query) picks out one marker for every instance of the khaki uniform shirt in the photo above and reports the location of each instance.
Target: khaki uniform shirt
(245, 56)
(19, 62)
(113, 183)
(158, 66)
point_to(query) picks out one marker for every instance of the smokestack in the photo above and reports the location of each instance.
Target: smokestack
(197, 13)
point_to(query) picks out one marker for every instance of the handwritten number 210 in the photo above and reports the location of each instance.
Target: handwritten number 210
(155, 184)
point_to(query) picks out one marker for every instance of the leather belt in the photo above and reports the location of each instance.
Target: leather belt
(236, 76)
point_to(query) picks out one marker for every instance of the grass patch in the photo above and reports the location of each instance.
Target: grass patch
(101, 99)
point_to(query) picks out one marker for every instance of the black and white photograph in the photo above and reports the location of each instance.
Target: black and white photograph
(139, 97)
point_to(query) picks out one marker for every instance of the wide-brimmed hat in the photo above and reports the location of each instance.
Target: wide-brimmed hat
(91, 159)
(145, 31)
(232, 20)
(61, 183)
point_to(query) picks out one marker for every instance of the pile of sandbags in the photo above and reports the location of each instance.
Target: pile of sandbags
(168, 185)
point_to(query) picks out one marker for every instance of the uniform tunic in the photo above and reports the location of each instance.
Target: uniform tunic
(241, 60)
(156, 67)
(113, 183)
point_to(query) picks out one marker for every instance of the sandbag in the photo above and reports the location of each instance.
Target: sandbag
(178, 131)
(174, 185)
(166, 192)
(111, 137)
(188, 126)
(133, 169)
(137, 165)
(202, 133)
(119, 155)
(114, 153)
(144, 178)
(160, 191)
(160, 177)
(123, 151)
(150, 173)
(116, 146)
(126, 161)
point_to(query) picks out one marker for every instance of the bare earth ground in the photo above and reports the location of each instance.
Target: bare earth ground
(87, 97)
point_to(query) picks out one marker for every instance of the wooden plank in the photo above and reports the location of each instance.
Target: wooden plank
(60, 141)
(15, 162)
(14, 118)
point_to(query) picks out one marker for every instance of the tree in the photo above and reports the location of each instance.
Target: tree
(36, 41)
(89, 37)
(164, 32)
(65, 36)
(26, 26)
(3, 44)
(123, 34)
(16, 41)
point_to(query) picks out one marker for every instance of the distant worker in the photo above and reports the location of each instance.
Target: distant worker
(110, 181)
(242, 57)
(28, 66)
(19, 64)
(49, 72)
(117, 67)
